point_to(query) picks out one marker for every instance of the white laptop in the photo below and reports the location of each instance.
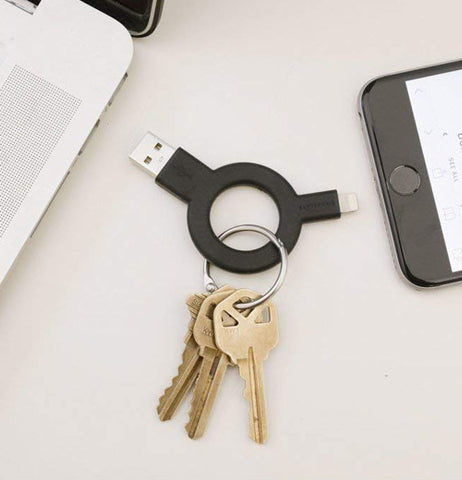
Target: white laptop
(61, 62)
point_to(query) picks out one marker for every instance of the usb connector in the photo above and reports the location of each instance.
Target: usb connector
(152, 154)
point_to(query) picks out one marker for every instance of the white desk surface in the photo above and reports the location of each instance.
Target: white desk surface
(367, 380)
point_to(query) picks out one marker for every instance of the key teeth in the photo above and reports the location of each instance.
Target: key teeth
(192, 427)
(248, 397)
(169, 401)
(166, 410)
(189, 426)
(205, 393)
(162, 400)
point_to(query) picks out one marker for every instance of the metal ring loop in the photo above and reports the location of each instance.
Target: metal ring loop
(211, 286)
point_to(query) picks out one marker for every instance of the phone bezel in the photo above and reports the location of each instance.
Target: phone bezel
(393, 139)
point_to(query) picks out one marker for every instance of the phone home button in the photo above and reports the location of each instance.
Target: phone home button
(405, 180)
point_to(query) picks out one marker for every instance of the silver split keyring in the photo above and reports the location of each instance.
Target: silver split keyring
(211, 286)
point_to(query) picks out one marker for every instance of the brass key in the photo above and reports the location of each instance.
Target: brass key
(188, 369)
(213, 366)
(248, 343)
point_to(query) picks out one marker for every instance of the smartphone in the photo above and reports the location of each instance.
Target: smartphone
(413, 124)
(140, 17)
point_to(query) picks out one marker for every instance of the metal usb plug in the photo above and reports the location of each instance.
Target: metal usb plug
(152, 154)
(348, 202)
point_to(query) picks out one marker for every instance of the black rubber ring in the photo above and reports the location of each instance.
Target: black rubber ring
(244, 174)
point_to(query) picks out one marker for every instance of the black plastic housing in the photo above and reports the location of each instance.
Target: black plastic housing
(196, 184)
(140, 17)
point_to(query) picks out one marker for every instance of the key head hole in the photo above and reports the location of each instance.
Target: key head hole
(227, 320)
(264, 317)
(244, 313)
(210, 309)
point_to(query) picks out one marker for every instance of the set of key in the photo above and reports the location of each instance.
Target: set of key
(220, 335)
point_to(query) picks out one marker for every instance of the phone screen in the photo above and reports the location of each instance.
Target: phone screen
(436, 103)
